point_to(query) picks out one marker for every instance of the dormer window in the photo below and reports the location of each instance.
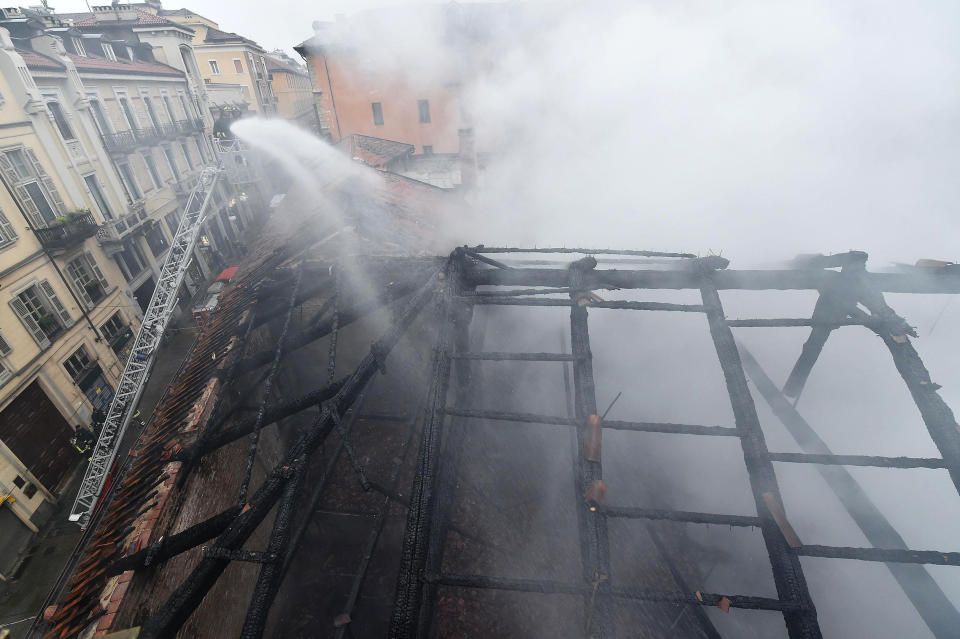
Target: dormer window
(108, 51)
(78, 46)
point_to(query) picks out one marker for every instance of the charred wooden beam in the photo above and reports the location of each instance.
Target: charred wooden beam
(895, 555)
(787, 572)
(933, 606)
(272, 414)
(175, 544)
(858, 460)
(644, 427)
(518, 357)
(594, 541)
(937, 415)
(790, 322)
(582, 251)
(635, 594)
(624, 512)
(347, 315)
(548, 301)
(757, 280)
(405, 618)
(171, 616)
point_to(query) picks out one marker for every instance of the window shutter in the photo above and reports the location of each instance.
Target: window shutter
(57, 305)
(48, 184)
(5, 374)
(31, 324)
(5, 348)
(95, 269)
(78, 284)
(28, 204)
(6, 229)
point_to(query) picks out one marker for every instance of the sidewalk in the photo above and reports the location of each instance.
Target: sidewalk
(21, 598)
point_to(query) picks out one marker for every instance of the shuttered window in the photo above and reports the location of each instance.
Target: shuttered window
(7, 233)
(5, 348)
(41, 312)
(88, 279)
(33, 186)
(5, 374)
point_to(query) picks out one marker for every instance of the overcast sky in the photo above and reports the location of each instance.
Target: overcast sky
(277, 24)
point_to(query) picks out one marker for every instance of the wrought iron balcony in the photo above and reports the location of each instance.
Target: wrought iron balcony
(68, 233)
(116, 230)
(120, 141)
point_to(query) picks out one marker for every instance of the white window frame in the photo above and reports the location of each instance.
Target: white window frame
(8, 235)
(78, 44)
(240, 70)
(214, 67)
(121, 93)
(108, 51)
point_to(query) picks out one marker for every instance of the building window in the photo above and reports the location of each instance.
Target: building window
(128, 114)
(96, 193)
(78, 364)
(427, 149)
(150, 112)
(186, 109)
(186, 155)
(169, 107)
(377, 113)
(108, 51)
(88, 279)
(5, 374)
(19, 482)
(116, 332)
(30, 491)
(214, 67)
(129, 182)
(41, 312)
(24, 170)
(78, 46)
(131, 260)
(61, 120)
(99, 118)
(423, 107)
(7, 233)
(168, 153)
(152, 169)
(173, 222)
(5, 348)
(156, 240)
(238, 65)
(19, 162)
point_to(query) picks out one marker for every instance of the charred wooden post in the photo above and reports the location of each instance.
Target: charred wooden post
(456, 432)
(787, 571)
(406, 607)
(924, 593)
(594, 544)
(937, 416)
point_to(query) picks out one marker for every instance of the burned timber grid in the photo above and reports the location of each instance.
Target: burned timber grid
(122, 575)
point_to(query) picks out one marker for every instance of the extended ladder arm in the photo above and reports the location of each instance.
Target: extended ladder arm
(141, 359)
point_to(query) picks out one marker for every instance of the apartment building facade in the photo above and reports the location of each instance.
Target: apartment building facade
(100, 143)
(291, 87)
(227, 58)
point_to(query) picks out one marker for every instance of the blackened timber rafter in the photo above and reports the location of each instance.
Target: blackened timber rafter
(594, 542)
(924, 593)
(171, 616)
(936, 414)
(833, 305)
(754, 280)
(346, 315)
(787, 572)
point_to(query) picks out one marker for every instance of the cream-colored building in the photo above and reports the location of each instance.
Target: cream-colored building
(228, 58)
(103, 131)
(291, 86)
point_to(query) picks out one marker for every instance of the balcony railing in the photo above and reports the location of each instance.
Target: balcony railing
(115, 230)
(126, 141)
(68, 233)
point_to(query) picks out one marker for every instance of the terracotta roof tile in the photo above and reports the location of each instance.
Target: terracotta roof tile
(38, 61)
(375, 152)
(123, 66)
(143, 18)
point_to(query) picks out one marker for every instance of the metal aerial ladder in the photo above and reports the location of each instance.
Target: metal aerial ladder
(141, 359)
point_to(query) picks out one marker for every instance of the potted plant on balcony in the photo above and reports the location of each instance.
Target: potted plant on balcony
(79, 214)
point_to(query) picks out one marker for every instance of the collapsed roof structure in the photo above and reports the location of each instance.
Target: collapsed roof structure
(276, 490)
